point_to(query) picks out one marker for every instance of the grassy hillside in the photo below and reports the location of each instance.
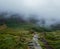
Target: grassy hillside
(14, 37)
(16, 33)
(53, 39)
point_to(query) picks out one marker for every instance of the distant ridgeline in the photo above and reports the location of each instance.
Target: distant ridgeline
(2, 21)
(16, 20)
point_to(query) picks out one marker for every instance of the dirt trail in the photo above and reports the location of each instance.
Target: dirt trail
(47, 46)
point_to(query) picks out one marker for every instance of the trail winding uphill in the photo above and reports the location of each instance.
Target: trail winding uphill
(35, 41)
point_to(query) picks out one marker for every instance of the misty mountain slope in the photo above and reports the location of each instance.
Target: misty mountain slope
(18, 18)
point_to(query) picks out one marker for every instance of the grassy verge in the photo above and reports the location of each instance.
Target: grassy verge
(42, 44)
(53, 39)
(14, 38)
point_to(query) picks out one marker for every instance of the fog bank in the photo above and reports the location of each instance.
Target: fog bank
(43, 9)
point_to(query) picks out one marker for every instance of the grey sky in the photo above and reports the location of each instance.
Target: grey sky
(43, 8)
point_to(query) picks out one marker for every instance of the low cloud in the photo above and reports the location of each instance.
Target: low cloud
(47, 9)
